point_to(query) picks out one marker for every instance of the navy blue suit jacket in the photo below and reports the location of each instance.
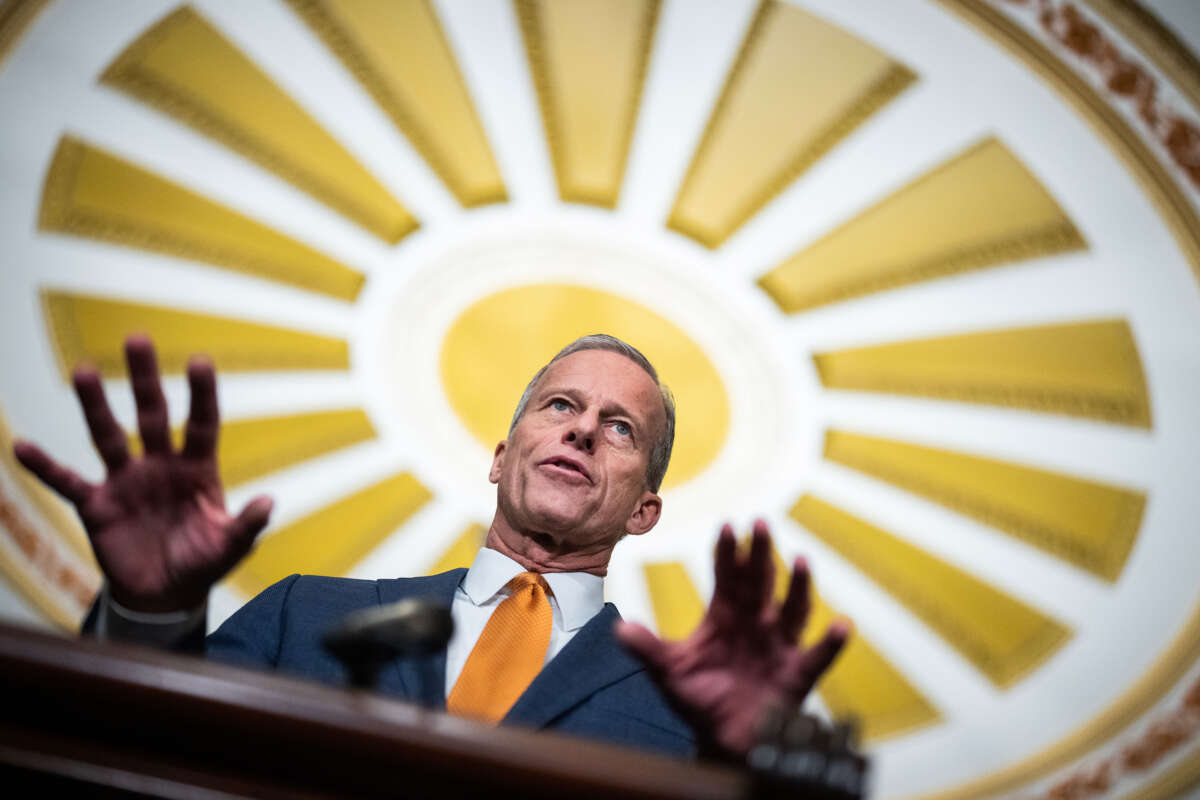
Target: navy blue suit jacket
(592, 688)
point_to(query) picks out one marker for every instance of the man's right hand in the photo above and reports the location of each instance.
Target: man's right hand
(158, 523)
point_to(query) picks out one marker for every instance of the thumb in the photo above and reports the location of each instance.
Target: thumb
(242, 530)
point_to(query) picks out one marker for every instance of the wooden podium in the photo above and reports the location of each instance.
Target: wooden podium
(101, 719)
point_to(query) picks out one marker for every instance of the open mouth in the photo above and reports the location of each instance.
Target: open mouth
(568, 465)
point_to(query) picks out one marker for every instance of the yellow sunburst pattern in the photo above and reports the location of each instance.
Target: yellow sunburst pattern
(1083, 369)
(399, 53)
(764, 132)
(957, 322)
(187, 68)
(588, 61)
(92, 329)
(980, 209)
(92, 193)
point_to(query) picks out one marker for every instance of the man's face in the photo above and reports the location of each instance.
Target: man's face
(572, 474)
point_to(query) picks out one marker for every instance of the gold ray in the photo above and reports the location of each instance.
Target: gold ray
(93, 329)
(1082, 369)
(677, 606)
(1091, 525)
(798, 87)
(186, 68)
(980, 209)
(333, 539)
(462, 551)
(588, 60)
(91, 193)
(252, 447)
(15, 18)
(1173, 661)
(399, 53)
(1001, 636)
(862, 683)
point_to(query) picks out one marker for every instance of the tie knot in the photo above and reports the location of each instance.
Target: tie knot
(527, 580)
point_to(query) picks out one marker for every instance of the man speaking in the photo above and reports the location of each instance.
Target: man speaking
(535, 644)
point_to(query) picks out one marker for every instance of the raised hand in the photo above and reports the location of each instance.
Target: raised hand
(743, 659)
(158, 523)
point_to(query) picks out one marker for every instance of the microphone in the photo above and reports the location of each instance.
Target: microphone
(367, 639)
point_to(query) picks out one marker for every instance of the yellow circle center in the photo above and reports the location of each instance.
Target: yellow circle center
(495, 346)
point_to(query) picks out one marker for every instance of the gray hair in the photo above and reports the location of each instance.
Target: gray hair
(660, 453)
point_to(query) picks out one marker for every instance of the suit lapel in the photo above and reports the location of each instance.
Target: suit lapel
(422, 680)
(592, 660)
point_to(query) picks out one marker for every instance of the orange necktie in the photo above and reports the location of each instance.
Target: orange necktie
(509, 654)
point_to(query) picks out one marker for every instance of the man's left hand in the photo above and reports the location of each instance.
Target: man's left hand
(744, 657)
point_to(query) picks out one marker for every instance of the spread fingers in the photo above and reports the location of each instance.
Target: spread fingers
(204, 421)
(152, 416)
(50, 472)
(106, 433)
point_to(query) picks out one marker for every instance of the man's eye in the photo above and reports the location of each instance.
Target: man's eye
(559, 405)
(622, 429)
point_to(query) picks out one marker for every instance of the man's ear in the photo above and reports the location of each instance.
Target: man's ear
(498, 461)
(646, 515)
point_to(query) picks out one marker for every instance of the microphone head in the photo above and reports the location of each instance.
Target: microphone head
(408, 628)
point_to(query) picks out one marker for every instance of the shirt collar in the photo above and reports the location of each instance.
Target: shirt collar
(580, 595)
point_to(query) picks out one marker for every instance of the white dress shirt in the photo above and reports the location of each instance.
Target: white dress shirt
(575, 597)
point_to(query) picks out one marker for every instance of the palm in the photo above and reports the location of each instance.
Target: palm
(158, 524)
(743, 658)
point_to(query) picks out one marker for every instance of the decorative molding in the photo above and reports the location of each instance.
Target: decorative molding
(1170, 667)
(1164, 192)
(1082, 369)
(1159, 738)
(999, 634)
(982, 208)
(714, 229)
(260, 122)
(58, 588)
(1070, 28)
(85, 328)
(453, 143)
(1085, 523)
(93, 194)
(556, 95)
(1156, 42)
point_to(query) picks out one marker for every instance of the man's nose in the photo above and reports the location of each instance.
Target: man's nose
(582, 432)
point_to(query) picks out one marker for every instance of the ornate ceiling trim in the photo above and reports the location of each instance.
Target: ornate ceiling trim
(1178, 213)
(589, 159)
(183, 66)
(1154, 41)
(708, 207)
(1184, 225)
(54, 571)
(382, 54)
